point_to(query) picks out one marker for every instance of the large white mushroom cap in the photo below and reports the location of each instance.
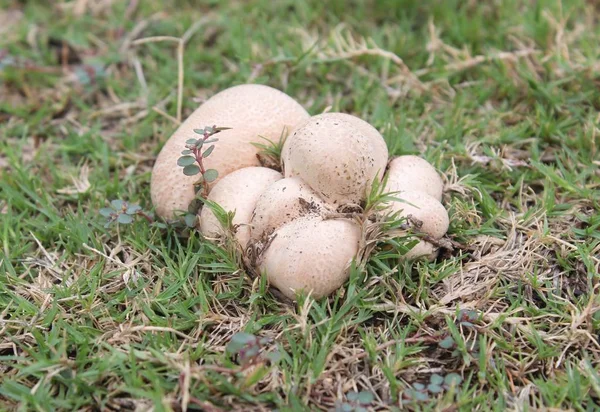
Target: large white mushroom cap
(311, 255)
(337, 154)
(250, 111)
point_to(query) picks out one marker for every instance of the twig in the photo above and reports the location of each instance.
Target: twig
(180, 52)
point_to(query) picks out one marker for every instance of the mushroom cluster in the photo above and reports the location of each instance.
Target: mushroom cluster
(287, 221)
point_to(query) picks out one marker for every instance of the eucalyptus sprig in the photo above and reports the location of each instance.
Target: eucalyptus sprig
(196, 150)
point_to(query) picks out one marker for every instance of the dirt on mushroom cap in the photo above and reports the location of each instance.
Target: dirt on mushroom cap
(312, 255)
(424, 211)
(337, 154)
(239, 192)
(284, 201)
(251, 111)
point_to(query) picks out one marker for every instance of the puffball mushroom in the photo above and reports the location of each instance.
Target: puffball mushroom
(433, 217)
(238, 191)
(414, 178)
(284, 201)
(251, 111)
(312, 255)
(424, 250)
(412, 173)
(337, 154)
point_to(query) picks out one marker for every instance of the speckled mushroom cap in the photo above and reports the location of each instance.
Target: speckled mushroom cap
(312, 255)
(284, 201)
(251, 111)
(239, 192)
(425, 208)
(337, 154)
(412, 173)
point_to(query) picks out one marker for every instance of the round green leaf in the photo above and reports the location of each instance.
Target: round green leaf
(211, 175)
(436, 379)
(418, 386)
(117, 204)
(190, 220)
(452, 379)
(274, 356)
(133, 209)
(239, 341)
(365, 398)
(433, 388)
(106, 211)
(191, 170)
(186, 152)
(186, 161)
(447, 342)
(198, 131)
(124, 219)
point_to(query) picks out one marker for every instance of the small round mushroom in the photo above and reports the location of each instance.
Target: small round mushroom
(238, 191)
(251, 111)
(412, 173)
(337, 154)
(426, 211)
(422, 250)
(423, 208)
(284, 201)
(311, 255)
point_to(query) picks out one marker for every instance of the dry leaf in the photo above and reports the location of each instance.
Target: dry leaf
(80, 185)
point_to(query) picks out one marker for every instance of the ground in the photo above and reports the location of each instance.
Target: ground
(501, 96)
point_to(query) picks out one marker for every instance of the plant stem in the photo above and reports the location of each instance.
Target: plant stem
(198, 155)
(200, 160)
(145, 216)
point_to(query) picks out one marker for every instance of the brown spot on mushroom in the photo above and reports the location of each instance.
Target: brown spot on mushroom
(291, 195)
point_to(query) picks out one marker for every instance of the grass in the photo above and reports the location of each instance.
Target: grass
(502, 97)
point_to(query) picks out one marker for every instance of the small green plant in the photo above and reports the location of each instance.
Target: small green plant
(421, 392)
(355, 402)
(124, 213)
(192, 159)
(249, 349)
(254, 359)
(465, 318)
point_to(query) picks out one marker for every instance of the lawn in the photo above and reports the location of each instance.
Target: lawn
(502, 97)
